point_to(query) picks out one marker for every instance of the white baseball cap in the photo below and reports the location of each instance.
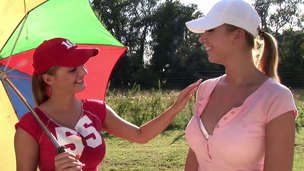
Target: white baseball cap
(234, 12)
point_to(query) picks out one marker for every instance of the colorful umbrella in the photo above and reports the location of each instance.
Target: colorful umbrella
(24, 25)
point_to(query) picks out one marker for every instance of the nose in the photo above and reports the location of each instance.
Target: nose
(82, 70)
(202, 39)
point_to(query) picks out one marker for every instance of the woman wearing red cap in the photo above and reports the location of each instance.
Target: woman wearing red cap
(243, 120)
(59, 73)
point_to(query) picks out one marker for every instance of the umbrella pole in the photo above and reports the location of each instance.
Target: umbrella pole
(60, 149)
(15, 43)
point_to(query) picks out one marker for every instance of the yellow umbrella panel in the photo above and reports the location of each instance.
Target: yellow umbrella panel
(11, 14)
(8, 119)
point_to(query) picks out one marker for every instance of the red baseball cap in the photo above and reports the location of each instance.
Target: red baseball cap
(60, 52)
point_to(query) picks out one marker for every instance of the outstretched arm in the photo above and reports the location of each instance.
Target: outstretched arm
(119, 127)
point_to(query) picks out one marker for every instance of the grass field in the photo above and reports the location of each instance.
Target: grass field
(168, 150)
(299, 151)
(162, 153)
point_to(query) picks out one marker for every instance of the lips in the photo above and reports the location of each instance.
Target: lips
(207, 47)
(79, 81)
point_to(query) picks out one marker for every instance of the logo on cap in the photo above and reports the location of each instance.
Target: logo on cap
(67, 44)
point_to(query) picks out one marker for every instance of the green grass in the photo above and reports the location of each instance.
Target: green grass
(299, 151)
(166, 152)
(299, 98)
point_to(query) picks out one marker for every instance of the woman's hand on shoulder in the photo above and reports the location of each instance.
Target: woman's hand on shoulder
(185, 95)
(67, 161)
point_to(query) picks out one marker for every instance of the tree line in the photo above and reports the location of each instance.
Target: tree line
(162, 53)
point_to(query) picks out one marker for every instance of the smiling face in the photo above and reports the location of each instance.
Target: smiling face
(219, 43)
(67, 80)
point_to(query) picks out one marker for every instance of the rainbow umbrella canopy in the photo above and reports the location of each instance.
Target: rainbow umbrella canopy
(27, 23)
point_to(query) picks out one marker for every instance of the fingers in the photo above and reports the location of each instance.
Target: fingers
(188, 91)
(68, 162)
(195, 84)
(185, 95)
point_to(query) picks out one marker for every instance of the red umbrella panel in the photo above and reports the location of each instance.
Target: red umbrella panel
(56, 18)
(99, 71)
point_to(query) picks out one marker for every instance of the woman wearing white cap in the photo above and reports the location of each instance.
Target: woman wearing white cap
(59, 73)
(243, 120)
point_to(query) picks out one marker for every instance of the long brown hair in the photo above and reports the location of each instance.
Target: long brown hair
(39, 88)
(268, 59)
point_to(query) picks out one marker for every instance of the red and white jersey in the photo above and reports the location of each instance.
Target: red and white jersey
(85, 139)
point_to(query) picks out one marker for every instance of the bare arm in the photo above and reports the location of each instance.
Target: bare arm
(26, 150)
(191, 161)
(121, 128)
(280, 139)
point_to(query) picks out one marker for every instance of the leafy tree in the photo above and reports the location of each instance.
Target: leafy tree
(169, 34)
(129, 21)
(155, 30)
(292, 58)
(283, 19)
(277, 15)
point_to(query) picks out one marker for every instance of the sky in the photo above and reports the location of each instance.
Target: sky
(204, 5)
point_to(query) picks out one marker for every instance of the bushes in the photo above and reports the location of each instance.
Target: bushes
(299, 98)
(138, 106)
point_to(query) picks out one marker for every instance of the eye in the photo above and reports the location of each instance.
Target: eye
(211, 30)
(72, 69)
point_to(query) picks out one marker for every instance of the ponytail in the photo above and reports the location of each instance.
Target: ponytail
(268, 61)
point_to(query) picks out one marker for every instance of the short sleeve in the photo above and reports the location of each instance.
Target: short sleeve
(29, 124)
(281, 101)
(202, 94)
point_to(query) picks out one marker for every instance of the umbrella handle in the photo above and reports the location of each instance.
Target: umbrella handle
(60, 148)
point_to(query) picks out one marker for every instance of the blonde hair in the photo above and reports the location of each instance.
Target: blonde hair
(40, 89)
(267, 58)
(268, 61)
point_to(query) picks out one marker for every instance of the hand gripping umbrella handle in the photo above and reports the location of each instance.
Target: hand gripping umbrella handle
(60, 149)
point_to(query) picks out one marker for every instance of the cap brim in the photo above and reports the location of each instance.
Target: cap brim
(79, 57)
(200, 25)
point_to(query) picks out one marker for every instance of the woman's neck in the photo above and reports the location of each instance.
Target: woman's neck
(63, 103)
(243, 74)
